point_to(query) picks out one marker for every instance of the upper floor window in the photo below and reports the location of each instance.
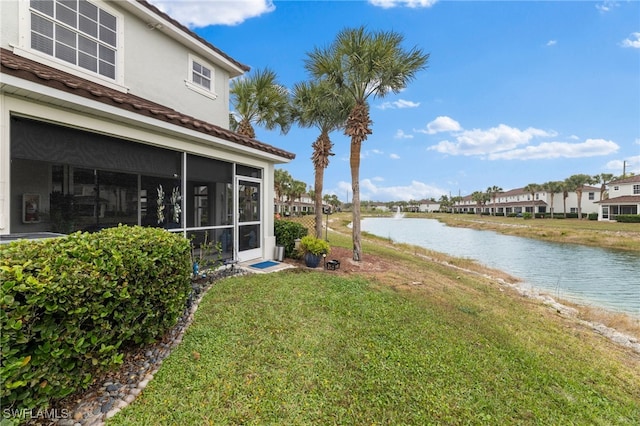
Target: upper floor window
(201, 77)
(636, 189)
(77, 32)
(592, 196)
(615, 188)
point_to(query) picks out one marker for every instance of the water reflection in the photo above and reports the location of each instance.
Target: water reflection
(588, 275)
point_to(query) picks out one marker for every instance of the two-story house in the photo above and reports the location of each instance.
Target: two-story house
(112, 112)
(624, 198)
(517, 201)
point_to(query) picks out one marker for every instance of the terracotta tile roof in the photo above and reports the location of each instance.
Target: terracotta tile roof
(624, 199)
(631, 179)
(157, 11)
(38, 73)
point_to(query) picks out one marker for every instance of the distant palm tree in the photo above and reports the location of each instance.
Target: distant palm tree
(532, 188)
(259, 99)
(576, 183)
(603, 179)
(297, 190)
(553, 188)
(493, 192)
(318, 104)
(281, 183)
(364, 64)
(480, 198)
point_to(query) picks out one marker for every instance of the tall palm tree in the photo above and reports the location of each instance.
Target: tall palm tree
(259, 99)
(553, 188)
(532, 188)
(493, 192)
(576, 184)
(364, 64)
(318, 104)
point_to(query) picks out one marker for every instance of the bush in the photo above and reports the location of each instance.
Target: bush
(593, 216)
(527, 215)
(628, 218)
(286, 233)
(70, 305)
(313, 245)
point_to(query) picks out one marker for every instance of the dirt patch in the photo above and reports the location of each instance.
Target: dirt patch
(369, 265)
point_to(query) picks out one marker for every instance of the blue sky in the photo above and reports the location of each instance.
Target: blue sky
(515, 92)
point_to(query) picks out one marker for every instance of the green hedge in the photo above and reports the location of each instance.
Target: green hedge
(286, 233)
(71, 305)
(628, 218)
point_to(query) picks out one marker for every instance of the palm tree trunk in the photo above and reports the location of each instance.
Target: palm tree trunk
(354, 161)
(318, 200)
(358, 129)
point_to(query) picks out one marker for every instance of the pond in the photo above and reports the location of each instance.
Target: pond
(590, 276)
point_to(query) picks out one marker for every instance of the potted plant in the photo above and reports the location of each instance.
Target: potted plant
(313, 249)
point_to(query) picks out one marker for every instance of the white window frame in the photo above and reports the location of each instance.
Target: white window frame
(636, 190)
(196, 87)
(23, 48)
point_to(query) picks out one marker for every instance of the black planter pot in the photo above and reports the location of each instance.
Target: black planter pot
(312, 260)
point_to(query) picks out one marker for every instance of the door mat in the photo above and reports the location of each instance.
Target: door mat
(265, 264)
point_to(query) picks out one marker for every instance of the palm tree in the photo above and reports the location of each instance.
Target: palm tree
(603, 179)
(480, 198)
(576, 183)
(298, 188)
(259, 99)
(565, 195)
(493, 192)
(317, 104)
(281, 182)
(532, 188)
(364, 64)
(553, 188)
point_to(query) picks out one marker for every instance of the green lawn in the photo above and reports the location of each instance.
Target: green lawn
(309, 348)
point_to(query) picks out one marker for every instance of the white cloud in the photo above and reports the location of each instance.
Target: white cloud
(633, 41)
(606, 6)
(400, 134)
(509, 143)
(394, 156)
(369, 152)
(399, 104)
(484, 142)
(441, 124)
(547, 150)
(387, 4)
(372, 191)
(202, 13)
(552, 42)
(632, 165)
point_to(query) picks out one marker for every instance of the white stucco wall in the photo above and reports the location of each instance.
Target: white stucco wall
(151, 64)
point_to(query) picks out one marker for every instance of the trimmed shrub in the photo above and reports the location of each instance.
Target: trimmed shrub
(286, 233)
(593, 216)
(628, 218)
(71, 305)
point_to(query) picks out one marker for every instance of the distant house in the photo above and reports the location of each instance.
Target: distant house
(112, 112)
(518, 201)
(427, 206)
(624, 198)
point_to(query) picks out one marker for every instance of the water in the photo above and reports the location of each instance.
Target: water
(592, 276)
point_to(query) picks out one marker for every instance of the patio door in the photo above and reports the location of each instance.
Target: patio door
(249, 231)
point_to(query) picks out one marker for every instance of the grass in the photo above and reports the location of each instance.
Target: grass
(613, 235)
(300, 347)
